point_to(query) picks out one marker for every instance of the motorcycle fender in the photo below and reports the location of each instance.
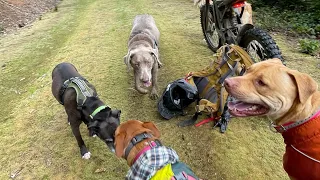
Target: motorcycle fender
(242, 30)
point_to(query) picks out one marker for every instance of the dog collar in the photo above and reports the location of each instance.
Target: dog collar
(289, 125)
(95, 112)
(135, 140)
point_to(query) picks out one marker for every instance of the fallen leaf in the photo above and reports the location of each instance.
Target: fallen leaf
(100, 170)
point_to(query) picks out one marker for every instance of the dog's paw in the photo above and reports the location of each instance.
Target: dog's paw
(142, 90)
(86, 155)
(154, 95)
(69, 123)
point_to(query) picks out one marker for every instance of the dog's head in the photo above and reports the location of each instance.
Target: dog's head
(143, 60)
(129, 129)
(268, 88)
(104, 125)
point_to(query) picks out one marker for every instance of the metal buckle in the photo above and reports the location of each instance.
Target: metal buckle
(276, 129)
(272, 127)
(197, 108)
(134, 140)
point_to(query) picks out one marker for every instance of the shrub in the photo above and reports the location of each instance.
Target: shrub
(301, 16)
(309, 46)
(317, 28)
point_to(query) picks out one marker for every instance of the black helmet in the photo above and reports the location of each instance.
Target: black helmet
(178, 95)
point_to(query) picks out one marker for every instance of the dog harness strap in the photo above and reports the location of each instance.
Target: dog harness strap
(135, 140)
(230, 72)
(182, 172)
(64, 87)
(82, 89)
(97, 111)
(285, 127)
(182, 176)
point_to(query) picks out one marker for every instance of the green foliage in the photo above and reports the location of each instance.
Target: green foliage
(300, 16)
(309, 46)
(317, 28)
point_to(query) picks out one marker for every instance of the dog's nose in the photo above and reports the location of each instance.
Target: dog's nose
(229, 83)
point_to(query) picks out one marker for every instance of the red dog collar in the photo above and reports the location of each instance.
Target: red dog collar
(289, 125)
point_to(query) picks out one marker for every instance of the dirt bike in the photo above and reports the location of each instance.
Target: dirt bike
(221, 24)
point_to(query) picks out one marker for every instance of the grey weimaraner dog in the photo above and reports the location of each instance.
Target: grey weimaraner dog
(143, 53)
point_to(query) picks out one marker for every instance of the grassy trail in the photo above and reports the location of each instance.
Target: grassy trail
(35, 139)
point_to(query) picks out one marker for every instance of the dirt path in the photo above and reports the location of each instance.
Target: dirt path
(37, 143)
(15, 14)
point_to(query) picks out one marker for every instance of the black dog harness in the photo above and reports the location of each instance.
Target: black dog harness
(83, 91)
(138, 138)
(79, 84)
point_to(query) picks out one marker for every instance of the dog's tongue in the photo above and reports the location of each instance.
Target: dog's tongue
(238, 105)
(243, 109)
(147, 84)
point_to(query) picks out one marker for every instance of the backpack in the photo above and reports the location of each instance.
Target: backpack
(230, 60)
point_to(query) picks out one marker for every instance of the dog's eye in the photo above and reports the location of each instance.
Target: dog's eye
(261, 83)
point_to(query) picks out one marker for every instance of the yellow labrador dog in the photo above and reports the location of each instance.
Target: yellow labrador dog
(292, 101)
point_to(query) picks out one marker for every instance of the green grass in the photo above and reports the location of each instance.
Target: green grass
(92, 34)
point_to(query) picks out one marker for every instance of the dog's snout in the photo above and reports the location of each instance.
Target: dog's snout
(230, 83)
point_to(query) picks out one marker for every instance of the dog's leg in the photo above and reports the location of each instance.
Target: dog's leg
(154, 94)
(76, 132)
(68, 121)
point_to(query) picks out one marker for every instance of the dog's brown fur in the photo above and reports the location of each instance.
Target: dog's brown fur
(284, 95)
(290, 95)
(126, 131)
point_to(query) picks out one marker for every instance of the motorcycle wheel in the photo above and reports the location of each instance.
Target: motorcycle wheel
(208, 28)
(260, 45)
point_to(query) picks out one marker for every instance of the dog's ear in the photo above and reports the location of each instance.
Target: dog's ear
(153, 128)
(155, 54)
(93, 128)
(116, 113)
(127, 59)
(306, 86)
(119, 144)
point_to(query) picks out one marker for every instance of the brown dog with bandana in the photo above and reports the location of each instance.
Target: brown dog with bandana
(138, 142)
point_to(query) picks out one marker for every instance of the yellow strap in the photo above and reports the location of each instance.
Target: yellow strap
(164, 173)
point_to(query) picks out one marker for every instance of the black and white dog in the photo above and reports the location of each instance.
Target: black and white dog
(82, 104)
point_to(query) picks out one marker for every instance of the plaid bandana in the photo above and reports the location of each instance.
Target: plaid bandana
(150, 162)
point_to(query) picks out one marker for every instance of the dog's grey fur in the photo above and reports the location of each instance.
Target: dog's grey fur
(143, 53)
